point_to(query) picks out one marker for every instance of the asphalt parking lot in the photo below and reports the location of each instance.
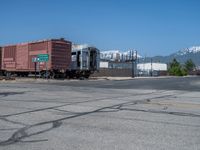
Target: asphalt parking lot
(152, 113)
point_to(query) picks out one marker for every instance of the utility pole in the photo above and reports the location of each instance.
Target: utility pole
(132, 67)
(134, 60)
(35, 63)
(135, 63)
(151, 68)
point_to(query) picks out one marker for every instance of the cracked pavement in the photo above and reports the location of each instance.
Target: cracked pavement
(138, 114)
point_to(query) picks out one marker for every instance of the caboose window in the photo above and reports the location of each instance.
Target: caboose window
(73, 53)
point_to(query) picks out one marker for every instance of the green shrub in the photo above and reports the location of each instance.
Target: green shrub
(175, 69)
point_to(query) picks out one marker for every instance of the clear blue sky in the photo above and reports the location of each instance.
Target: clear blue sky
(153, 27)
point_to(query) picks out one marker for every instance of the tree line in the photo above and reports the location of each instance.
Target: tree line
(176, 69)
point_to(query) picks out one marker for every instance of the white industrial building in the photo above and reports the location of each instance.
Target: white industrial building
(104, 64)
(151, 68)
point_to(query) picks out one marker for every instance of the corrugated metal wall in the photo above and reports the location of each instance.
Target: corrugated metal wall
(115, 72)
(10, 52)
(22, 57)
(9, 57)
(61, 54)
(36, 48)
(108, 72)
(19, 57)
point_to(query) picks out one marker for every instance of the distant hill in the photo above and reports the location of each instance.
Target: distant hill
(182, 56)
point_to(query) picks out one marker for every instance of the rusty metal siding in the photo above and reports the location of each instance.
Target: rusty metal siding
(19, 57)
(9, 52)
(31, 64)
(61, 54)
(22, 57)
(36, 48)
(9, 57)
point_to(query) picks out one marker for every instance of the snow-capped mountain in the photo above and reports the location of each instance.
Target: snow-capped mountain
(194, 49)
(182, 56)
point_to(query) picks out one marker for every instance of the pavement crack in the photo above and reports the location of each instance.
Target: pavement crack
(163, 112)
(13, 122)
(31, 111)
(5, 94)
(31, 130)
(43, 127)
(34, 141)
(73, 103)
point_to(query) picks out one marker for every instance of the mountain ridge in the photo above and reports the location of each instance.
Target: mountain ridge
(182, 56)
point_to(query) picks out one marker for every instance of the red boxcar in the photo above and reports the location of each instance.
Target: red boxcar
(18, 58)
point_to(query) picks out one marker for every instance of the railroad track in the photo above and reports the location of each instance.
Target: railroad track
(7, 78)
